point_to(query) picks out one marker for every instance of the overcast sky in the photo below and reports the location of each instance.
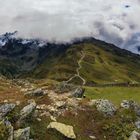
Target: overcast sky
(115, 21)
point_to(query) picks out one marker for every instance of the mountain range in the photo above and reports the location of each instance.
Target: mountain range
(82, 61)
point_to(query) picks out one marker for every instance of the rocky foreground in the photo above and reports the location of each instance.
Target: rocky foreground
(63, 112)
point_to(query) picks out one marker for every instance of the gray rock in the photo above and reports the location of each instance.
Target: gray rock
(105, 107)
(22, 134)
(36, 93)
(128, 104)
(65, 130)
(137, 124)
(5, 109)
(27, 110)
(134, 136)
(125, 104)
(78, 93)
(137, 110)
(64, 87)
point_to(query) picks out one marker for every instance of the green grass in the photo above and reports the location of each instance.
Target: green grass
(114, 94)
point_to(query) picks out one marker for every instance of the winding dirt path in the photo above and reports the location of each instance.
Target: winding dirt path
(78, 70)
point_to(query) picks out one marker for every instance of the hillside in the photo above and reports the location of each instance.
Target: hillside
(101, 63)
(86, 61)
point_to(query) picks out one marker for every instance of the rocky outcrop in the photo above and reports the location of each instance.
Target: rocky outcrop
(78, 93)
(106, 107)
(27, 110)
(5, 109)
(36, 93)
(22, 134)
(64, 87)
(134, 136)
(66, 130)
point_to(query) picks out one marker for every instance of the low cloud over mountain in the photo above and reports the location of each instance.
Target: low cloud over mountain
(62, 20)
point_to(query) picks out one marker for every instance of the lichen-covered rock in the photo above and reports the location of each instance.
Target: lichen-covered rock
(131, 105)
(22, 134)
(125, 104)
(5, 109)
(106, 107)
(128, 104)
(27, 110)
(36, 93)
(66, 130)
(134, 136)
(78, 93)
(137, 110)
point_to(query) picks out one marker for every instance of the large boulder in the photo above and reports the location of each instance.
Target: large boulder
(65, 130)
(22, 134)
(27, 110)
(78, 92)
(134, 136)
(37, 92)
(5, 109)
(106, 107)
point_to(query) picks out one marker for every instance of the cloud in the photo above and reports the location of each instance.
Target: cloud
(62, 20)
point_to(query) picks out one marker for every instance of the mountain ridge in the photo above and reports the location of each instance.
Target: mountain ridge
(103, 62)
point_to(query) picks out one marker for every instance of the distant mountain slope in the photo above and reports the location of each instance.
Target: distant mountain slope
(102, 63)
(86, 60)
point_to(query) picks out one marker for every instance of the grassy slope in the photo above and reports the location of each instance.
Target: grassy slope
(103, 63)
(114, 94)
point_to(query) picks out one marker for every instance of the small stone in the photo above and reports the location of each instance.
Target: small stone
(92, 102)
(134, 136)
(92, 137)
(47, 114)
(53, 118)
(137, 123)
(17, 103)
(125, 104)
(5, 101)
(60, 104)
(41, 107)
(38, 119)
